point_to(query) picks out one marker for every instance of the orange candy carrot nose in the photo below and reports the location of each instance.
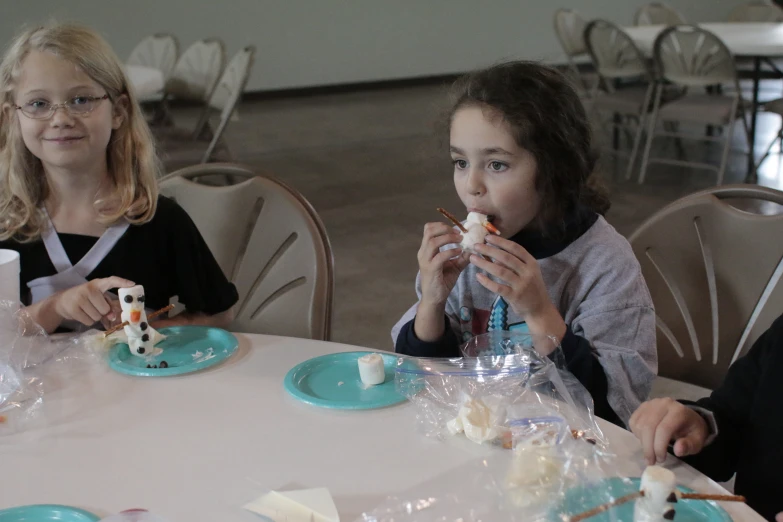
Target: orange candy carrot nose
(491, 228)
(135, 316)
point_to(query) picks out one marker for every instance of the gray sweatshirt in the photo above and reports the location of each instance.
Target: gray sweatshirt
(597, 286)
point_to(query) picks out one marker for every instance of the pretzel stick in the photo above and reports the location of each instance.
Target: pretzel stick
(126, 323)
(606, 507)
(706, 496)
(453, 219)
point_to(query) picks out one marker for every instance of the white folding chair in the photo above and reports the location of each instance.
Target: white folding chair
(197, 71)
(570, 28)
(617, 59)
(223, 101)
(158, 50)
(756, 12)
(269, 241)
(657, 13)
(694, 58)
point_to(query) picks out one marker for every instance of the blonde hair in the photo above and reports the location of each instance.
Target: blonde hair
(132, 163)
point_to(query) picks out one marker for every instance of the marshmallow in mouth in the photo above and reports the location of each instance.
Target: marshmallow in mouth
(478, 227)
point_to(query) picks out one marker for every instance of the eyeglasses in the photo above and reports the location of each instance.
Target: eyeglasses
(76, 106)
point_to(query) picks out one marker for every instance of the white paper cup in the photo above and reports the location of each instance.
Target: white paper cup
(9, 275)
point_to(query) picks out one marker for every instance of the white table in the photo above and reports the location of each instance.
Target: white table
(147, 82)
(197, 447)
(758, 41)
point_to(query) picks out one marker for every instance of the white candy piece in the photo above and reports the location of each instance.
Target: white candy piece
(141, 337)
(479, 419)
(660, 495)
(476, 231)
(371, 369)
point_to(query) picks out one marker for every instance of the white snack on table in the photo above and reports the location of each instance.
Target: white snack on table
(660, 494)
(371, 369)
(480, 419)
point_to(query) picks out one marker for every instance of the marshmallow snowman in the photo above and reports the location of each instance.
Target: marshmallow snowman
(660, 495)
(479, 228)
(141, 337)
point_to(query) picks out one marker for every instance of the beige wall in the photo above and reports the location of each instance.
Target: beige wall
(321, 42)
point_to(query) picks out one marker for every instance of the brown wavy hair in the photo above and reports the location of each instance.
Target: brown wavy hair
(133, 165)
(547, 119)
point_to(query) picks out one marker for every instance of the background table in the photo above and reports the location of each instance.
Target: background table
(197, 447)
(758, 41)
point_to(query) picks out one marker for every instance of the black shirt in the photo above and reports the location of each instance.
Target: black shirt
(167, 255)
(749, 416)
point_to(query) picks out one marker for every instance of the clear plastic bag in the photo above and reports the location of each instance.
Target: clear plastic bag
(504, 396)
(527, 485)
(30, 362)
(535, 418)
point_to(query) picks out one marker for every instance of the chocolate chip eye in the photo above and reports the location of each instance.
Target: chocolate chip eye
(143, 326)
(672, 498)
(141, 350)
(128, 299)
(669, 515)
(140, 299)
(145, 337)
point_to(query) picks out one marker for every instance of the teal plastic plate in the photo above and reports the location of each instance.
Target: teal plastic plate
(332, 381)
(580, 499)
(187, 349)
(46, 513)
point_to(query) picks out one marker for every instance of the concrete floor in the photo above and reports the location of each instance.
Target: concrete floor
(374, 165)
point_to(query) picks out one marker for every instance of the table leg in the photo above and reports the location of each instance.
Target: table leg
(751, 175)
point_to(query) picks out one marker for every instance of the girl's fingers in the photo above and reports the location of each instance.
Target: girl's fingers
(512, 248)
(98, 301)
(502, 257)
(83, 317)
(492, 286)
(443, 257)
(497, 270)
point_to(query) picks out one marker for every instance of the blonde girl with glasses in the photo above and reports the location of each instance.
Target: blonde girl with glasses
(78, 191)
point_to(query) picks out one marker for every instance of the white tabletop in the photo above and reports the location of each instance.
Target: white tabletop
(197, 447)
(147, 82)
(742, 39)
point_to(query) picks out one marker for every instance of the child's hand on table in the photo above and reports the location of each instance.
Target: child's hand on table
(522, 285)
(87, 303)
(656, 422)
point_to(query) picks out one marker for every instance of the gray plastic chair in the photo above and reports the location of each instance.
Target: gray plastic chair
(657, 13)
(756, 12)
(694, 58)
(270, 243)
(570, 29)
(617, 59)
(713, 271)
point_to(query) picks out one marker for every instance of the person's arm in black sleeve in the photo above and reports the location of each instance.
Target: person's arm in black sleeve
(201, 286)
(731, 404)
(408, 344)
(582, 361)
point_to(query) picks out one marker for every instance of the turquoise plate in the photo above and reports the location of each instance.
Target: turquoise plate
(580, 499)
(332, 381)
(46, 513)
(187, 349)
